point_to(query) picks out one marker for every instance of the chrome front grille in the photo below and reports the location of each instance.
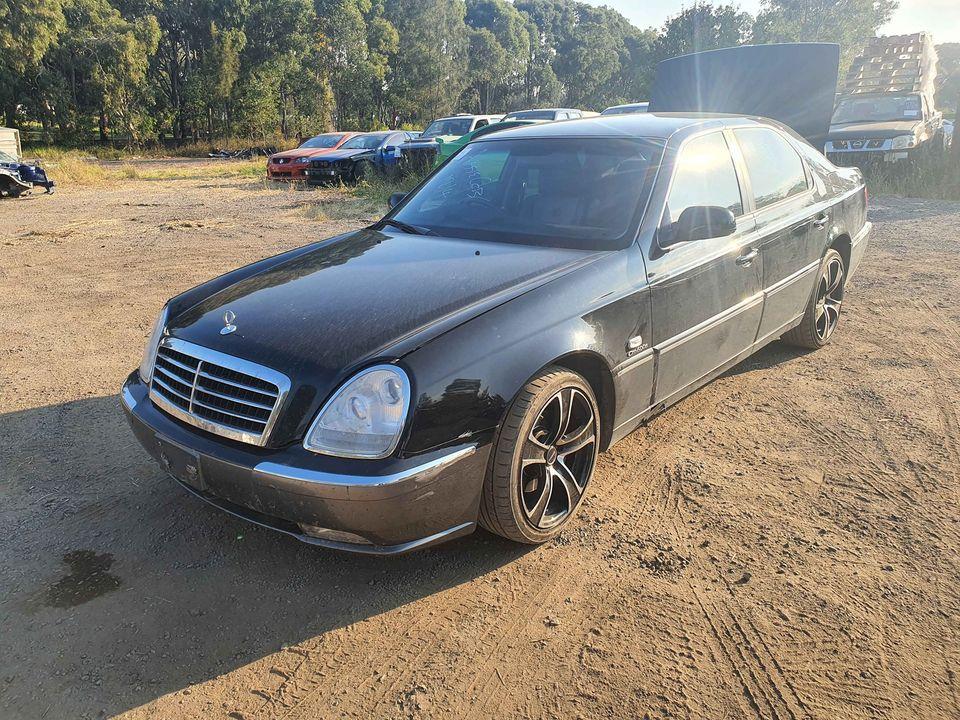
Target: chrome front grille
(217, 392)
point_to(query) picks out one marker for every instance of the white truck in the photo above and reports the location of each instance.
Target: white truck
(885, 111)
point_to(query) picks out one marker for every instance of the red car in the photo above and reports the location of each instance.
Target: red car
(290, 164)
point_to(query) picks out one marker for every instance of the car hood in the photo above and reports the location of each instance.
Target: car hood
(755, 80)
(300, 152)
(872, 130)
(343, 154)
(323, 314)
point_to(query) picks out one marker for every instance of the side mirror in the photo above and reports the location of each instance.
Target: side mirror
(396, 199)
(701, 222)
(390, 149)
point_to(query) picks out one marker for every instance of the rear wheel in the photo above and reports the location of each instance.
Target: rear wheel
(543, 460)
(823, 311)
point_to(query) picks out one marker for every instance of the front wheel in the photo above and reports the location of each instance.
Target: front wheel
(823, 310)
(362, 170)
(543, 460)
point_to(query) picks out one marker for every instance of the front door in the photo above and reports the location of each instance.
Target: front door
(706, 295)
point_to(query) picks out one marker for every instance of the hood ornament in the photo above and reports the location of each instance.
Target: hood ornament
(228, 327)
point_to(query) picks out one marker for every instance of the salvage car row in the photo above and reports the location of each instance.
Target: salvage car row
(352, 156)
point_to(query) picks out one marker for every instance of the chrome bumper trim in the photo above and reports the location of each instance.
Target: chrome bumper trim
(422, 473)
(127, 398)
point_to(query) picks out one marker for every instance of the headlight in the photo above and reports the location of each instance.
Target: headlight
(150, 351)
(365, 416)
(303, 160)
(902, 142)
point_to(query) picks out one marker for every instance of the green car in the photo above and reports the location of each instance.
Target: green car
(446, 149)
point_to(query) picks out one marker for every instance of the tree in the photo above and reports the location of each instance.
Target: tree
(98, 68)
(703, 27)
(428, 71)
(501, 38)
(847, 22)
(948, 76)
(27, 30)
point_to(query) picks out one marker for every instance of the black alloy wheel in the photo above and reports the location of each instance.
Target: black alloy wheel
(544, 457)
(822, 314)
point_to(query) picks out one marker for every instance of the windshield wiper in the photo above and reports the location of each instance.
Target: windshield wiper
(406, 227)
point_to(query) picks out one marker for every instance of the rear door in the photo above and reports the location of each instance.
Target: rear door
(706, 295)
(792, 230)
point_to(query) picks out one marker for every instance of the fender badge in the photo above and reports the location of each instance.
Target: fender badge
(228, 327)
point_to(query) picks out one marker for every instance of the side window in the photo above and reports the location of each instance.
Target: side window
(776, 170)
(704, 176)
(481, 123)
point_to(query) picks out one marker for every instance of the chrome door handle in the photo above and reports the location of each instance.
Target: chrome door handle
(821, 222)
(746, 260)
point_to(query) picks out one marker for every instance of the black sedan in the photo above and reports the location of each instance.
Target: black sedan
(358, 158)
(464, 360)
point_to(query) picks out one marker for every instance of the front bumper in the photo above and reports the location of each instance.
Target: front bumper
(867, 158)
(374, 507)
(287, 172)
(321, 176)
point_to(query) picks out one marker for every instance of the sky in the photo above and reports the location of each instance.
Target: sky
(942, 17)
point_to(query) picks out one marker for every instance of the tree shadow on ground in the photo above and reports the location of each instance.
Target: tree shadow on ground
(117, 586)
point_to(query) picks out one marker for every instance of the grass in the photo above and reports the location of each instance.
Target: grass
(937, 178)
(74, 167)
(368, 199)
(195, 150)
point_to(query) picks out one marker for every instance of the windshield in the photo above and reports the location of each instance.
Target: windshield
(322, 141)
(531, 115)
(7, 157)
(450, 126)
(364, 142)
(877, 109)
(563, 192)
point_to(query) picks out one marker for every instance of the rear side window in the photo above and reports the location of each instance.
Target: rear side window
(704, 176)
(775, 169)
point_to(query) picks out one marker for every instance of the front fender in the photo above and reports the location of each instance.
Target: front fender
(466, 379)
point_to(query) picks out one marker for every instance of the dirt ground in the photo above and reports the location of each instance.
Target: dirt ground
(782, 544)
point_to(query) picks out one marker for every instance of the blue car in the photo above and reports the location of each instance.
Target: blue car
(359, 157)
(18, 177)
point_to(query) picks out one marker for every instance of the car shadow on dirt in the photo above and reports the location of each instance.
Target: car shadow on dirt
(776, 353)
(117, 586)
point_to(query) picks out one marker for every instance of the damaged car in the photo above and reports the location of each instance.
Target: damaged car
(18, 178)
(357, 159)
(290, 165)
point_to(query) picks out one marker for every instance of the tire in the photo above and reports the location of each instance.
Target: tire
(540, 468)
(822, 316)
(362, 170)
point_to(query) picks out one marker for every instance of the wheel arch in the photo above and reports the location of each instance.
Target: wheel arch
(593, 368)
(843, 245)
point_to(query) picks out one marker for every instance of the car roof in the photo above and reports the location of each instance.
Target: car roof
(466, 116)
(544, 110)
(650, 125)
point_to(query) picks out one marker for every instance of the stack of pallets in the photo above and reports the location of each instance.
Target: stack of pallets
(894, 64)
